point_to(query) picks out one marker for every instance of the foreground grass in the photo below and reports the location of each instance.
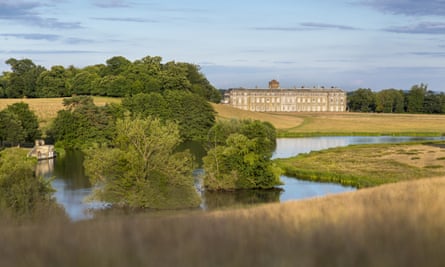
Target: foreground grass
(329, 124)
(368, 165)
(393, 225)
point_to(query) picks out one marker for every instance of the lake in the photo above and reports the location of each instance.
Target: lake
(72, 186)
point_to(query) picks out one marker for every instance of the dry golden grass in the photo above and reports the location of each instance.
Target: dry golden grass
(343, 123)
(280, 121)
(46, 108)
(393, 225)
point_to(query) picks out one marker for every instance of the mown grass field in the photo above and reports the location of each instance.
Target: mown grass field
(324, 124)
(399, 224)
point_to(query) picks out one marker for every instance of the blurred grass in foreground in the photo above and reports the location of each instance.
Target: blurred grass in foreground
(399, 224)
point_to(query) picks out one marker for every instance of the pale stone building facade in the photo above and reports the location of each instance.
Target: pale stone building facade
(276, 99)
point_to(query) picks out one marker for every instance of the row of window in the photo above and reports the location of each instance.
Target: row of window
(288, 100)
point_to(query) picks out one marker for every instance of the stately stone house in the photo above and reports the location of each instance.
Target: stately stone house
(277, 99)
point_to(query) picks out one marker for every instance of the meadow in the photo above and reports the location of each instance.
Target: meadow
(368, 165)
(331, 124)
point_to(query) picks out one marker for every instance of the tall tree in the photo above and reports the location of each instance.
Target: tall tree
(23, 79)
(416, 98)
(28, 121)
(243, 161)
(362, 100)
(53, 83)
(142, 170)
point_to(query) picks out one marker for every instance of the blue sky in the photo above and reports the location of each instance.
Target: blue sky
(375, 44)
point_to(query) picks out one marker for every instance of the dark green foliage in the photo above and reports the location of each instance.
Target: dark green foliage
(83, 124)
(142, 170)
(21, 193)
(118, 78)
(361, 100)
(417, 100)
(18, 124)
(243, 160)
(194, 115)
(22, 82)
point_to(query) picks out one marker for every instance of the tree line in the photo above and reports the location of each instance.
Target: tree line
(416, 100)
(119, 77)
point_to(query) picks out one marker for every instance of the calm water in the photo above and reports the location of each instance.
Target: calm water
(73, 187)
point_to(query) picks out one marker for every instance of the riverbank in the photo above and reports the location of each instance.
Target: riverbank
(368, 165)
(392, 225)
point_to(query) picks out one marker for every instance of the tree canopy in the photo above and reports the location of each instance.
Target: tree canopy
(141, 169)
(239, 157)
(119, 77)
(18, 124)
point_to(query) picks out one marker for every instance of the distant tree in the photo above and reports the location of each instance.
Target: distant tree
(416, 98)
(362, 100)
(116, 66)
(82, 124)
(152, 104)
(23, 79)
(142, 170)
(84, 82)
(194, 115)
(390, 101)
(53, 83)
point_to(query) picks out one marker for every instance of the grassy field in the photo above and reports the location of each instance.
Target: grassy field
(46, 108)
(399, 224)
(289, 124)
(368, 165)
(309, 124)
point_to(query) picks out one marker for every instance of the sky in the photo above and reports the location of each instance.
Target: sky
(377, 44)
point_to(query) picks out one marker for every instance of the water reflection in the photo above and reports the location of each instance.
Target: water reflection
(73, 186)
(217, 200)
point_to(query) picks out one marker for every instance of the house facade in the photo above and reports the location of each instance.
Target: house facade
(277, 99)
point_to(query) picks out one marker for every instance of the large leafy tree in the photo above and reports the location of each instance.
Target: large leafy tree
(243, 160)
(82, 124)
(22, 82)
(21, 193)
(28, 120)
(11, 130)
(142, 170)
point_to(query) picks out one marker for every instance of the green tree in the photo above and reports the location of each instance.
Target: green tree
(243, 160)
(416, 98)
(390, 101)
(23, 79)
(27, 119)
(82, 124)
(11, 130)
(362, 100)
(53, 83)
(142, 170)
(194, 115)
(22, 194)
